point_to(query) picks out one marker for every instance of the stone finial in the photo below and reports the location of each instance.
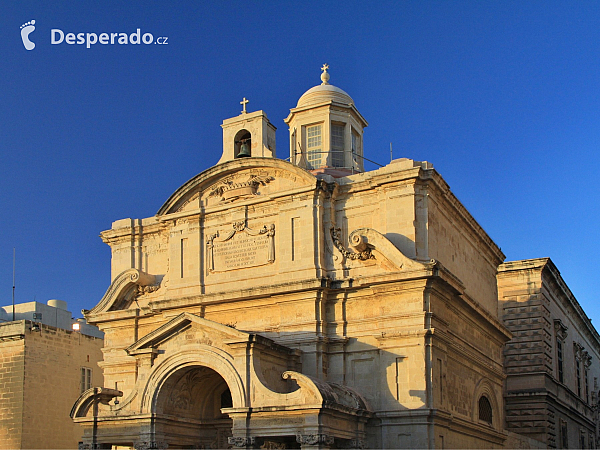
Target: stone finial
(325, 75)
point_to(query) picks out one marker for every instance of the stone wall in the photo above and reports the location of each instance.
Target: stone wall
(43, 373)
(12, 366)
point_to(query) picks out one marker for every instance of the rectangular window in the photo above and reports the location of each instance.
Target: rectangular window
(581, 440)
(86, 379)
(578, 373)
(337, 145)
(564, 434)
(313, 146)
(586, 384)
(559, 358)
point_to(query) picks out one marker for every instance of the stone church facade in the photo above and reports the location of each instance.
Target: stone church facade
(303, 304)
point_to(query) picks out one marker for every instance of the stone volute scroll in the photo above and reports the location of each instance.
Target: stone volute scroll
(240, 247)
(368, 244)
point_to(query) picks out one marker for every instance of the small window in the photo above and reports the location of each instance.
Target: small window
(337, 145)
(485, 410)
(86, 379)
(559, 353)
(313, 136)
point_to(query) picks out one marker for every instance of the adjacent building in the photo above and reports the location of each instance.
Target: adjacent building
(44, 367)
(552, 362)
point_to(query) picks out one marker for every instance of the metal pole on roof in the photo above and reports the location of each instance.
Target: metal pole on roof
(13, 293)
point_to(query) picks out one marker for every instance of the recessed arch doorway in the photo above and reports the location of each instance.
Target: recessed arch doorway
(188, 409)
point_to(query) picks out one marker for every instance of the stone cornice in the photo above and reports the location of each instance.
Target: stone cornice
(124, 233)
(331, 104)
(423, 172)
(462, 212)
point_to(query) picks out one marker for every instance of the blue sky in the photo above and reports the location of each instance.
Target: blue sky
(502, 97)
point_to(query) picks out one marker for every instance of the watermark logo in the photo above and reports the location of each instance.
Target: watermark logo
(59, 36)
(26, 30)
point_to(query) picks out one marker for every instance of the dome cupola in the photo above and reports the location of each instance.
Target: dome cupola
(326, 130)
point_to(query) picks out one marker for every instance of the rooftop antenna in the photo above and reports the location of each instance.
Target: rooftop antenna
(391, 155)
(13, 293)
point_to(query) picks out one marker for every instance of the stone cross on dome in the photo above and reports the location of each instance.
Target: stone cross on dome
(243, 103)
(325, 75)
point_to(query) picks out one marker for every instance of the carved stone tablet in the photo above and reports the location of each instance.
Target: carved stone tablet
(240, 248)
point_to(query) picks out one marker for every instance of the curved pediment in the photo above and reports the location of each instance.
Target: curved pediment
(121, 288)
(237, 180)
(86, 399)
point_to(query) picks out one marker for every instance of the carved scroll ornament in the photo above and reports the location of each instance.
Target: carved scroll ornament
(363, 251)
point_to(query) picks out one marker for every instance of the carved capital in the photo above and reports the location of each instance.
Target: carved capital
(560, 329)
(150, 445)
(578, 350)
(314, 439)
(241, 442)
(352, 443)
(96, 446)
(587, 360)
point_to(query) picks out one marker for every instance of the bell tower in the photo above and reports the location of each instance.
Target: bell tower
(248, 135)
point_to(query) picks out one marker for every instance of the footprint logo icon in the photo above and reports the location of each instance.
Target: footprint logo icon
(26, 30)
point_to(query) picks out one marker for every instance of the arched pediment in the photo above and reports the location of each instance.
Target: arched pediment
(235, 180)
(121, 288)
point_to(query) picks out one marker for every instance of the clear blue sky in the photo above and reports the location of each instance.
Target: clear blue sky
(502, 97)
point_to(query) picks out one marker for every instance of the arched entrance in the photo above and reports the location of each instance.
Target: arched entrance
(188, 409)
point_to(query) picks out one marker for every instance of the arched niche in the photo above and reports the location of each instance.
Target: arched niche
(242, 144)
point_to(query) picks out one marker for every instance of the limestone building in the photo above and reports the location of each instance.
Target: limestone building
(44, 367)
(301, 304)
(553, 361)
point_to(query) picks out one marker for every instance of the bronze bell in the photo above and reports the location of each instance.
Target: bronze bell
(245, 149)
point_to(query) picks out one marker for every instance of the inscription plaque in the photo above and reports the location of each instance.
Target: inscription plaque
(240, 248)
